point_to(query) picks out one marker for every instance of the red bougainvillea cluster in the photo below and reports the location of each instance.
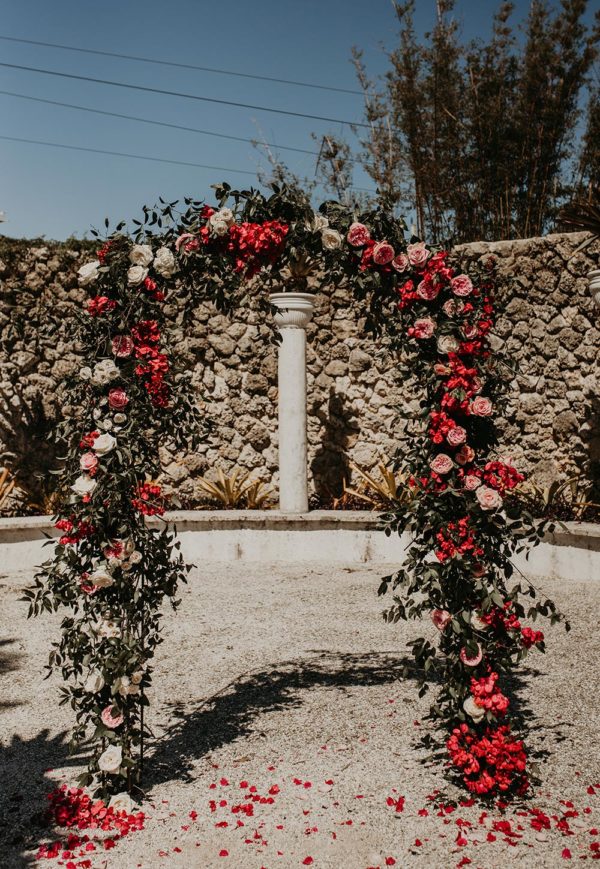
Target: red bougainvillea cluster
(461, 512)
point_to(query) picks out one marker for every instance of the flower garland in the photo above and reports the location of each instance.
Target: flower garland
(463, 519)
(110, 570)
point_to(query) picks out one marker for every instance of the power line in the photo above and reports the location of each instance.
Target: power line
(286, 81)
(141, 157)
(122, 154)
(183, 95)
(155, 123)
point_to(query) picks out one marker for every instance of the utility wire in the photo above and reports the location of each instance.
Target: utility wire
(157, 123)
(183, 95)
(303, 84)
(141, 157)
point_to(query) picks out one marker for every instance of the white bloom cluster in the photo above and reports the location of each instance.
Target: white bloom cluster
(221, 220)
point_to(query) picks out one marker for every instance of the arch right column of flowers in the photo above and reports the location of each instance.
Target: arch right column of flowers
(463, 517)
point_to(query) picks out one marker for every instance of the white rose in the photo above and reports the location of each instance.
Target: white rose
(107, 628)
(110, 760)
(136, 275)
(164, 262)
(137, 677)
(447, 344)
(219, 227)
(120, 418)
(135, 557)
(319, 222)
(101, 578)
(103, 444)
(489, 499)
(331, 239)
(478, 623)
(223, 215)
(475, 712)
(121, 803)
(88, 273)
(94, 682)
(83, 485)
(85, 373)
(126, 566)
(141, 255)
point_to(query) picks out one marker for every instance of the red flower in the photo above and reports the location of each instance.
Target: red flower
(149, 500)
(100, 305)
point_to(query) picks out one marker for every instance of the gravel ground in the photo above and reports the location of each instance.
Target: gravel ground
(288, 681)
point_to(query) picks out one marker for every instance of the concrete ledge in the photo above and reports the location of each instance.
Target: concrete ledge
(326, 536)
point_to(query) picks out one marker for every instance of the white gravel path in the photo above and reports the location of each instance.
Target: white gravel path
(281, 677)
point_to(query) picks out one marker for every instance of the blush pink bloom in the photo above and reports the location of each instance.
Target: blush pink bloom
(465, 455)
(110, 720)
(481, 406)
(122, 346)
(469, 331)
(441, 619)
(453, 307)
(400, 262)
(471, 660)
(472, 482)
(423, 328)
(417, 254)
(441, 370)
(489, 499)
(383, 253)
(117, 399)
(186, 239)
(456, 436)
(358, 235)
(441, 464)
(88, 461)
(461, 285)
(427, 291)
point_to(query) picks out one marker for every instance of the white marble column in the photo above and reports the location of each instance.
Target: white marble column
(594, 279)
(294, 312)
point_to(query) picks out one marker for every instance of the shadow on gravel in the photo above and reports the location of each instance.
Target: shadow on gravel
(23, 789)
(9, 663)
(228, 715)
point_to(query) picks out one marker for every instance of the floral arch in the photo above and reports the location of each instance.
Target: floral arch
(112, 572)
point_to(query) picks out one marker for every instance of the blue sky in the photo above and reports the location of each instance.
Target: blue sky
(57, 193)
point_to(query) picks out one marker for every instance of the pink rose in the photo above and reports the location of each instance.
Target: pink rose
(469, 331)
(471, 661)
(441, 370)
(186, 239)
(88, 461)
(383, 253)
(453, 307)
(440, 618)
(456, 436)
(109, 720)
(417, 254)
(481, 406)
(122, 346)
(422, 328)
(441, 464)
(472, 482)
(117, 399)
(400, 262)
(465, 455)
(358, 235)
(489, 499)
(427, 291)
(461, 285)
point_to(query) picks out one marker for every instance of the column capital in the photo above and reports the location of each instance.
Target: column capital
(294, 310)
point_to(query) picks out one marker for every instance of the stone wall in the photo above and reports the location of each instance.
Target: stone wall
(356, 402)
